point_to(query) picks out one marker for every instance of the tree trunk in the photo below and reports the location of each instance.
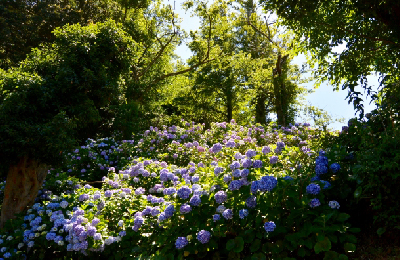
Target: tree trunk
(261, 115)
(23, 183)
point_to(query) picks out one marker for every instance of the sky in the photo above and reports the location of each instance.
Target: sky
(333, 102)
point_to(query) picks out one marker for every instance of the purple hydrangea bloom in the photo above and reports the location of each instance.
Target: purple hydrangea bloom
(257, 164)
(91, 230)
(235, 185)
(185, 208)
(220, 196)
(313, 189)
(238, 156)
(195, 200)
(216, 148)
(246, 163)
(140, 191)
(97, 236)
(227, 214)
(314, 203)
(244, 173)
(184, 192)
(155, 211)
(84, 197)
(266, 150)
(203, 236)
(280, 145)
(218, 170)
(335, 167)
(234, 165)
(251, 202)
(95, 221)
(236, 173)
(251, 153)
(243, 213)
(108, 193)
(169, 211)
(273, 159)
(181, 242)
(269, 226)
(169, 191)
(216, 217)
(227, 178)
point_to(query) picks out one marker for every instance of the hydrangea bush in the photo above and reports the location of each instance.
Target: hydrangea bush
(242, 192)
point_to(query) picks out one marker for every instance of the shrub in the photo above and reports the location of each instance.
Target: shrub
(220, 196)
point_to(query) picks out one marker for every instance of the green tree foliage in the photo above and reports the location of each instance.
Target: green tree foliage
(25, 24)
(368, 28)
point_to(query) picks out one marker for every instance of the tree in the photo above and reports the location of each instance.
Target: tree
(368, 28)
(59, 96)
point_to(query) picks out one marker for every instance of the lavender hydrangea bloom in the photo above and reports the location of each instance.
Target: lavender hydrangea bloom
(108, 193)
(243, 213)
(220, 197)
(234, 165)
(273, 159)
(335, 167)
(280, 145)
(238, 156)
(236, 173)
(216, 148)
(195, 178)
(184, 192)
(244, 173)
(218, 170)
(266, 150)
(227, 214)
(185, 208)
(313, 189)
(246, 163)
(251, 202)
(227, 178)
(334, 204)
(314, 203)
(257, 164)
(169, 191)
(251, 153)
(269, 226)
(91, 230)
(203, 236)
(181, 242)
(216, 217)
(195, 200)
(97, 236)
(235, 185)
(221, 208)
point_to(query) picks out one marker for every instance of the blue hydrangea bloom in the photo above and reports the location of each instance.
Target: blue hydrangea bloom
(267, 183)
(314, 203)
(220, 196)
(185, 208)
(321, 169)
(251, 153)
(244, 173)
(287, 178)
(246, 163)
(334, 204)
(236, 173)
(195, 200)
(235, 185)
(227, 178)
(313, 189)
(184, 192)
(269, 226)
(257, 164)
(203, 236)
(251, 202)
(181, 242)
(280, 145)
(335, 167)
(315, 178)
(216, 148)
(218, 170)
(216, 217)
(254, 187)
(273, 159)
(322, 160)
(195, 178)
(234, 165)
(227, 214)
(169, 211)
(326, 184)
(266, 150)
(243, 213)
(169, 191)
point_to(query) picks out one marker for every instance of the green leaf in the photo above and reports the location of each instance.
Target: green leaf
(255, 245)
(343, 257)
(331, 255)
(357, 192)
(380, 231)
(239, 244)
(349, 247)
(258, 256)
(301, 252)
(249, 236)
(343, 217)
(324, 245)
(230, 244)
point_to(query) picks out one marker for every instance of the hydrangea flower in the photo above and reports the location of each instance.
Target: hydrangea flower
(266, 150)
(195, 200)
(185, 208)
(287, 178)
(326, 184)
(227, 214)
(181, 242)
(203, 236)
(220, 197)
(267, 183)
(257, 164)
(314, 203)
(234, 165)
(334, 204)
(227, 178)
(221, 208)
(184, 192)
(236, 173)
(243, 213)
(216, 148)
(246, 163)
(335, 167)
(313, 189)
(235, 185)
(321, 169)
(269, 226)
(216, 217)
(251, 153)
(251, 202)
(273, 159)
(218, 170)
